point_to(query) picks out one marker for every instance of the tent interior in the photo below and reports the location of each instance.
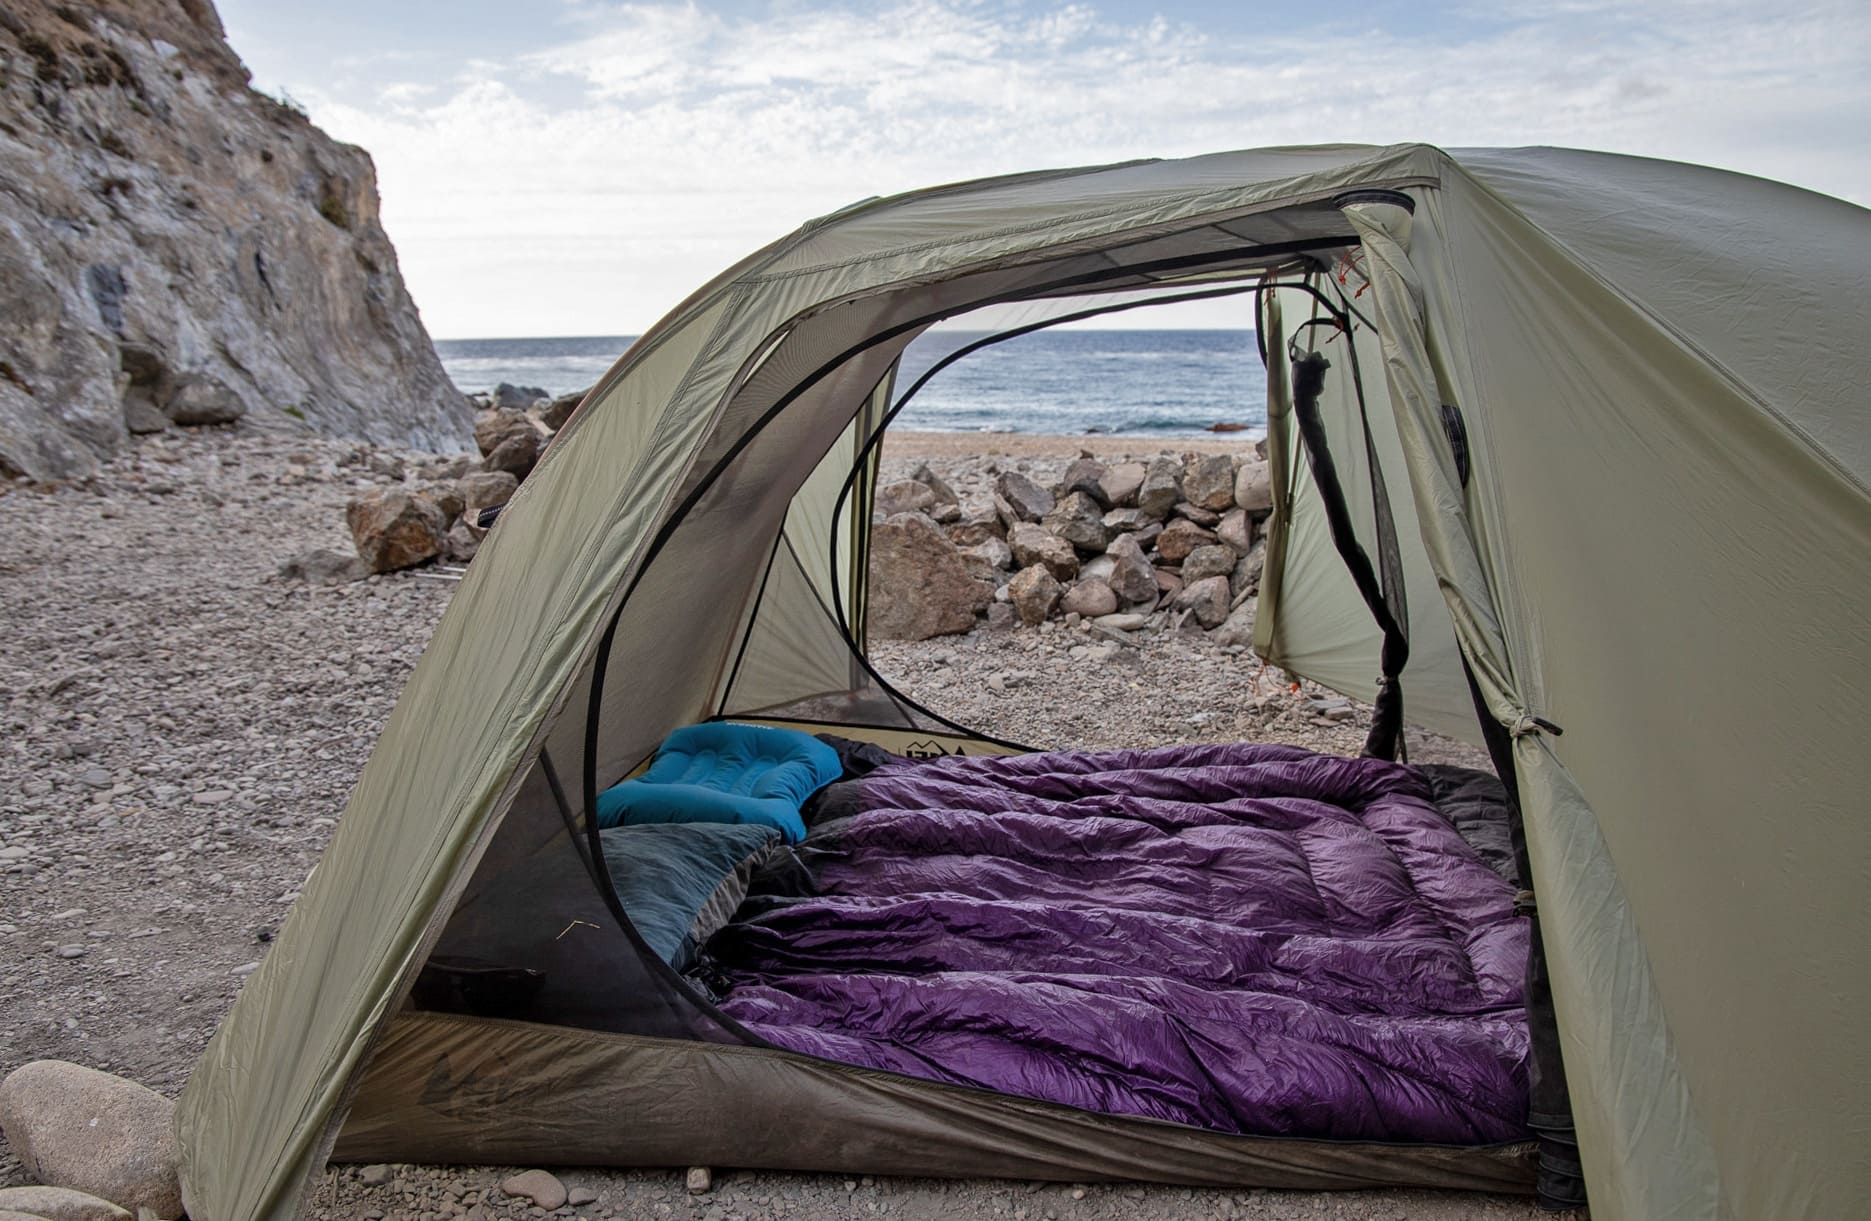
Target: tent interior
(1382, 1038)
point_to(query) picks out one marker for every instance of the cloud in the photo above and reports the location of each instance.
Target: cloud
(588, 185)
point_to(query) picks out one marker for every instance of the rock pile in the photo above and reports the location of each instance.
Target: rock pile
(399, 527)
(1173, 543)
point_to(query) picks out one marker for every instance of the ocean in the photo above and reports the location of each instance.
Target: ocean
(1065, 382)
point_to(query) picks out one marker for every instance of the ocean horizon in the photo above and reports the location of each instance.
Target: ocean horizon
(1153, 383)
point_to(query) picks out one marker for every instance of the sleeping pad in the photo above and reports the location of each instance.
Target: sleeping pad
(1246, 938)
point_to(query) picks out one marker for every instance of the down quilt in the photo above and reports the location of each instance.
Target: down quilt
(1245, 938)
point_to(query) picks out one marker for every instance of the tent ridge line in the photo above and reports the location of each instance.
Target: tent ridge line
(1043, 253)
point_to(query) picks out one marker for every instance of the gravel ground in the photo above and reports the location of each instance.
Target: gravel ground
(182, 727)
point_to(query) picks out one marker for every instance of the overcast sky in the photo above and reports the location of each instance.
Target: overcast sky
(573, 167)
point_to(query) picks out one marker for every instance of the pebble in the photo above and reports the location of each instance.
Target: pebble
(701, 1180)
(540, 1187)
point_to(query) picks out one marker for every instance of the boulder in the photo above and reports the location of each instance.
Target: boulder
(1089, 598)
(142, 417)
(542, 1188)
(1179, 538)
(1033, 544)
(509, 397)
(925, 475)
(516, 454)
(496, 425)
(1121, 483)
(1236, 529)
(58, 1204)
(1208, 519)
(446, 496)
(75, 1127)
(1208, 481)
(990, 553)
(973, 533)
(1085, 475)
(945, 512)
(903, 496)
(555, 412)
(1244, 581)
(1124, 521)
(198, 398)
(1208, 560)
(1253, 489)
(1132, 578)
(1208, 598)
(1078, 520)
(1237, 628)
(1168, 584)
(1027, 500)
(1001, 616)
(393, 529)
(1161, 488)
(485, 489)
(322, 566)
(920, 586)
(1146, 537)
(1034, 593)
(463, 542)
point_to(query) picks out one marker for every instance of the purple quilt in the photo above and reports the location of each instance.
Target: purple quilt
(1246, 938)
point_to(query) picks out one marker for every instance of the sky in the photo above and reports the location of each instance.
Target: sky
(578, 167)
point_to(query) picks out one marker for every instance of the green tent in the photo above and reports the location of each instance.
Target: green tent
(1621, 408)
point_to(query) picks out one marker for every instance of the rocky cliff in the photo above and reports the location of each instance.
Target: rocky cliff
(175, 246)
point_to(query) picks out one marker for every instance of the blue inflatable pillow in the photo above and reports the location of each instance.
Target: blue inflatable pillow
(727, 773)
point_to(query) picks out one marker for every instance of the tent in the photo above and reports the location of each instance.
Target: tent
(1620, 405)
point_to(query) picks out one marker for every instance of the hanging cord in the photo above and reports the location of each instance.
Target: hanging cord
(1387, 719)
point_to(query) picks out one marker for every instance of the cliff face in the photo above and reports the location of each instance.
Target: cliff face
(177, 246)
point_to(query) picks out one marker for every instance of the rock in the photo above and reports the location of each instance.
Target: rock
(1208, 519)
(156, 201)
(1001, 616)
(1124, 521)
(578, 1197)
(463, 542)
(1090, 599)
(394, 530)
(199, 399)
(1253, 488)
(1132, 577)
(1208, 481)
(543, 1189)
(1236, 629)
(1078, 520)
(1161, 488)
(1245, 579)
(445, 496)
(1236, 529)
(925, 475)
(1208, 598)
(555, 412)
(920, 585)
(1027, 499)
(89, 1131)
(1085, 475)
(1168, 584)
(1033, 544)
(700, 1180)
(515, 455)
(485, 489)
(903, 496)
(1123, 622)
(497, 424)
(509, 397)
(991, 554)
(322, 566)
(973, 533)
(1034, 593)
(58, 1204)
(1121, 483)
(142, 417)
(1179, 538)
(945, 512)
(375, 1175)
(1208, 560)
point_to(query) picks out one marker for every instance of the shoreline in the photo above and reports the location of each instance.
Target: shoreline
(906, 444)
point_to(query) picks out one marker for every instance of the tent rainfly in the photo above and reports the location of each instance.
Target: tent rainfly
(1622, 408)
